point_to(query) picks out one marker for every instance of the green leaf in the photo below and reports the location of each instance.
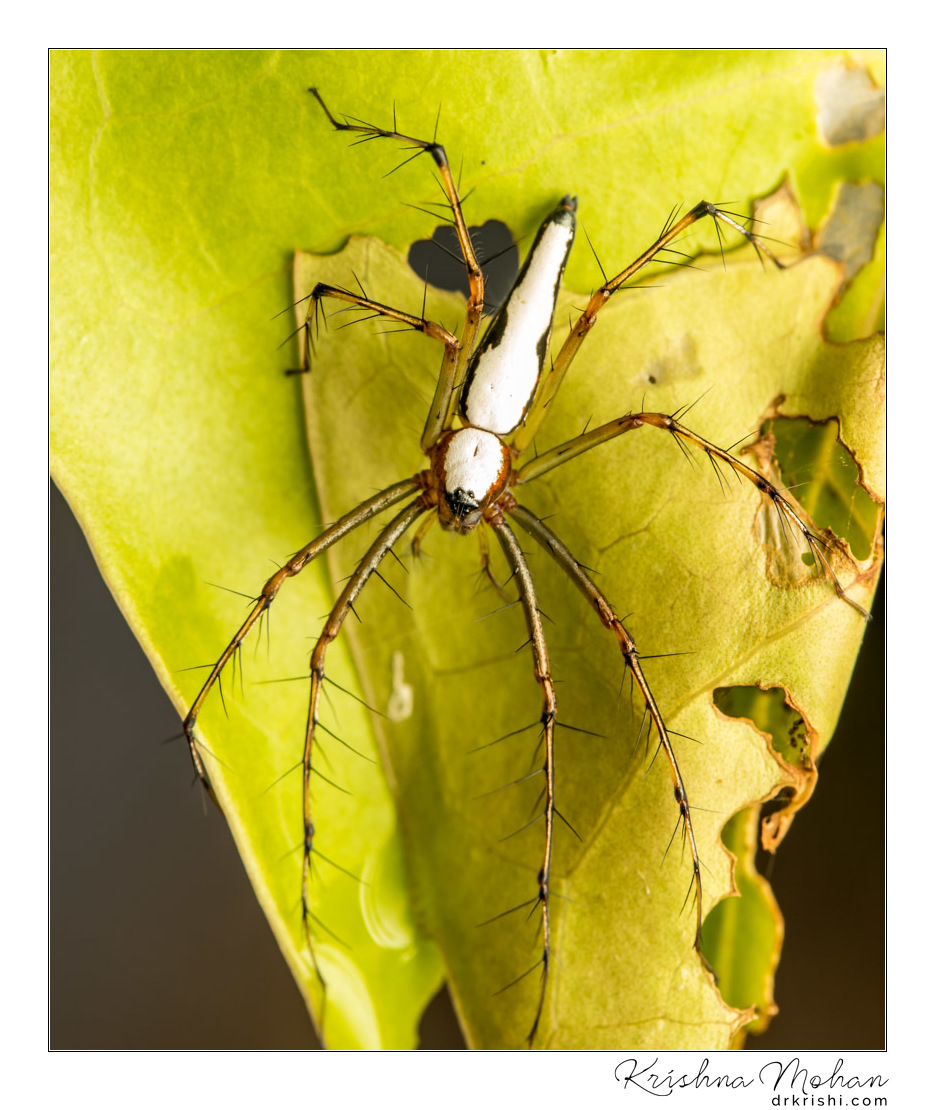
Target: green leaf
(668, 545)
(182, 184)
(742, 935)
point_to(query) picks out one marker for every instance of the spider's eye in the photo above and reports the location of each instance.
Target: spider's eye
(461, 502)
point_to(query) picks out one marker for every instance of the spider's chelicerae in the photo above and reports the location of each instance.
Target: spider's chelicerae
(492, 395)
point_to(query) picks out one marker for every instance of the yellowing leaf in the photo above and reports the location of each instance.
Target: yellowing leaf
(668, 545)
(181, 186)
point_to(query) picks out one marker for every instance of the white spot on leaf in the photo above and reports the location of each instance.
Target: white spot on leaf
(399, 707)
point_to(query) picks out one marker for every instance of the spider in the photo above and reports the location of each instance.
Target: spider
(492, 395)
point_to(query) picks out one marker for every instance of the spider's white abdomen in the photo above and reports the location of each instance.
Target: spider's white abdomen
(505, 371)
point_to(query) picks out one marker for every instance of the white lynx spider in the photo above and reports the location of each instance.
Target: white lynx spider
(491, 398)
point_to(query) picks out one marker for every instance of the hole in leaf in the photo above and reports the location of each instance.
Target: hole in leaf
(772, 714)
(851, 232)
(742, 936)
(825, 479)
(438, 260)
(850, 106)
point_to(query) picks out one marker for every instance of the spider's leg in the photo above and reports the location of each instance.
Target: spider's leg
(485, 568)
(452, 372)
(570, 565)
(550, 382)
(540, 653)
(368, 564)
(419, 538)
(364, 512)
(377, 309)
(781, 502)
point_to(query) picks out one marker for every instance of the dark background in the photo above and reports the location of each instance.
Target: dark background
(157, 940)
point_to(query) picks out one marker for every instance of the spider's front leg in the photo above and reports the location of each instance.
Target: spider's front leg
(527, 593)
(486, 571)
(365, 568)
(299, 561)
(570, 565)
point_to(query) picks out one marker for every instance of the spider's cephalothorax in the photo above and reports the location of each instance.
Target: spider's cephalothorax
(490, 400)
(470, 470)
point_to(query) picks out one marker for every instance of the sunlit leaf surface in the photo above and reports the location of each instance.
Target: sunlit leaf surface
(181, 186)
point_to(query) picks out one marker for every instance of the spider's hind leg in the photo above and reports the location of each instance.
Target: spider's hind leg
(311, 322)
(453, 370)
(674, 228)
(377, 310)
